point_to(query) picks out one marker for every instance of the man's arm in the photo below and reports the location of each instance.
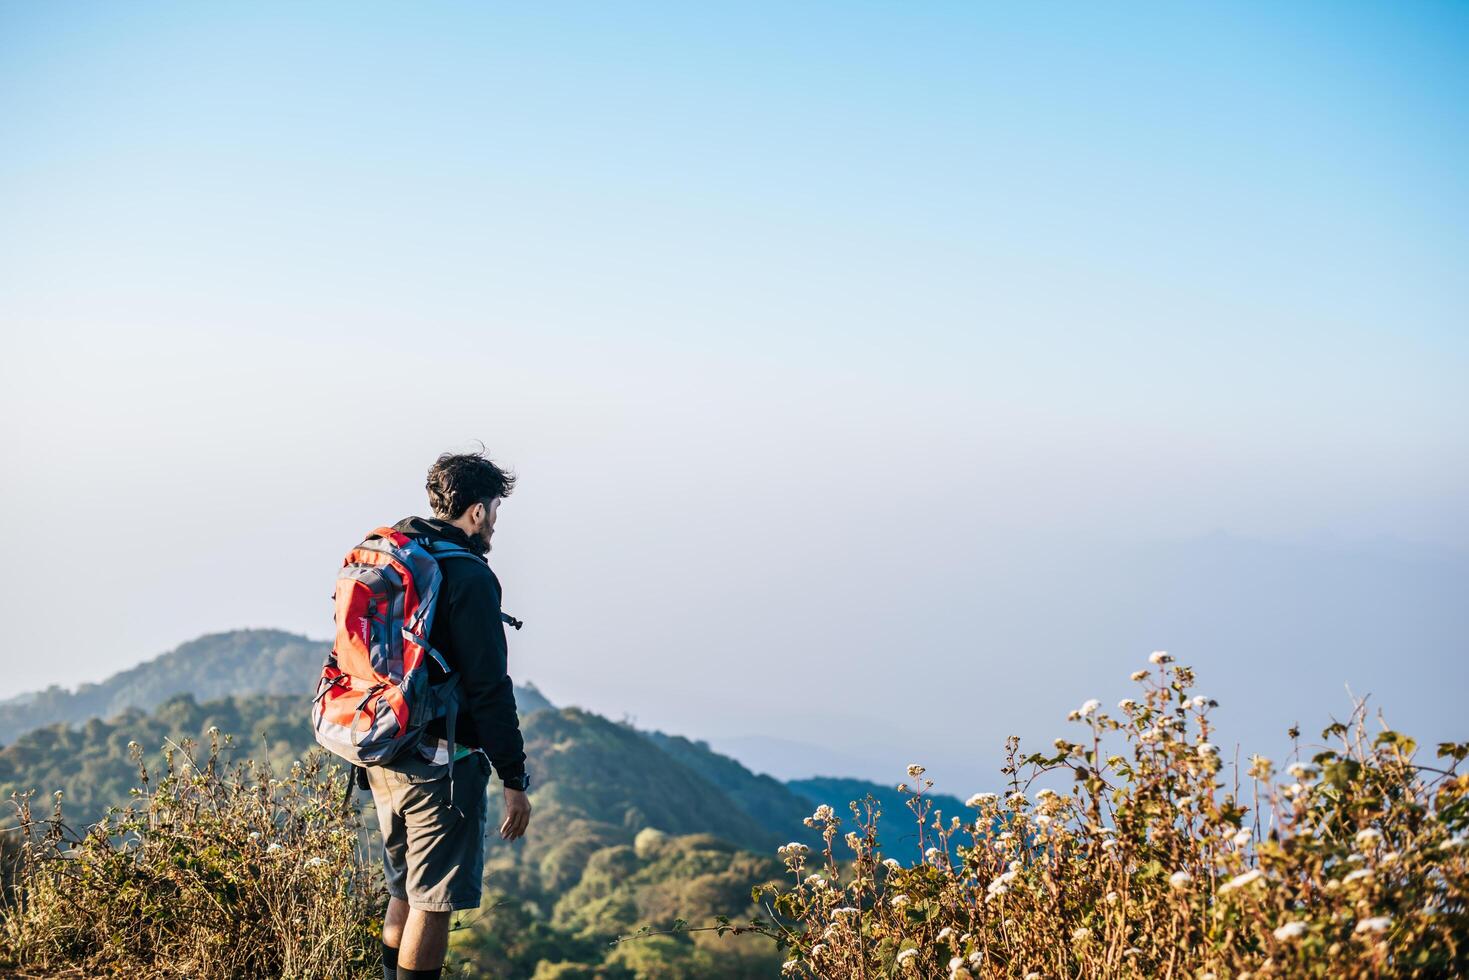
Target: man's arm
(477, 637)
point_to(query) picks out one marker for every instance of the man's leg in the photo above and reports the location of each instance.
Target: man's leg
(425, 940)
(393, 936)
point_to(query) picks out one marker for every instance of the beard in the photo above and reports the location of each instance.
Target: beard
(481, 540)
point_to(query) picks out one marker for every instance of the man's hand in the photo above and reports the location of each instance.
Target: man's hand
(517, 814)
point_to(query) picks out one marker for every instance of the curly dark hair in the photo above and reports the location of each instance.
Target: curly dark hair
(458, 481)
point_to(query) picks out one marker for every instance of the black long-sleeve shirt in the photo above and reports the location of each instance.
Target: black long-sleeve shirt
(470, 634)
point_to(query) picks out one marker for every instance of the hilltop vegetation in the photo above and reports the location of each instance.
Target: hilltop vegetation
(624, 834)
(212, 871)
(646, 852)
(1151, 860)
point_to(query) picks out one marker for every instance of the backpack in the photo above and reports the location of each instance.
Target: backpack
(374, 698)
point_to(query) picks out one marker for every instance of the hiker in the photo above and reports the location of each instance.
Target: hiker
(433, 821)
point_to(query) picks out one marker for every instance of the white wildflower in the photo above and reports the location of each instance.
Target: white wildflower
(1199, 702)
(1159, 657)
(1127, 704)
(1300, 770)
(898, 901)
(907, 956)
(892, 864)
(1207, 749)
(1241, 880)
(823, 813)
(789, 967)
(1080, 934)
(273, 848)
(1357, 875)
(316, 862)
(980, 799)
(1379, 923)
(1138, 675)
(945, 933)
(1090, 707)
(1043, 819)
(916, 770)
(1113, 898)
(1241, 837)
(1109, 843)
(1291, 930)
(1367, 837)
(1180, 880)
(1016, 800)
(817, 950)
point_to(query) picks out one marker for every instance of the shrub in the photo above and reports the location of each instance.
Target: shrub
(1151, 864)
(211, 872)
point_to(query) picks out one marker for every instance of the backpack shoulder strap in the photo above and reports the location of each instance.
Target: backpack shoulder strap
(442, 549)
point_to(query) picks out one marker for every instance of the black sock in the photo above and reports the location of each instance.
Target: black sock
(420, 974)
(390, 962)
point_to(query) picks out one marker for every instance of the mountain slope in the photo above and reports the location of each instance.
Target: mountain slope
(216, 665)
(623, 834)
(770, 802)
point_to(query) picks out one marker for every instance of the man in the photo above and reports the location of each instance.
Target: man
(433, 826)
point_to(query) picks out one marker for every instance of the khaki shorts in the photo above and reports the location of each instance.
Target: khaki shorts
(433, 853)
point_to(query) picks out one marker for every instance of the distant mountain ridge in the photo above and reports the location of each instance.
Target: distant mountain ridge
(213, 666)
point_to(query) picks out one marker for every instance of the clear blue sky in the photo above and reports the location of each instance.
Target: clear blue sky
(884, 377)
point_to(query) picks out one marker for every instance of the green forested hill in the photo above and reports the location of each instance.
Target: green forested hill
(217, 665)
(623, 834)
(770, 802)
(630, 829)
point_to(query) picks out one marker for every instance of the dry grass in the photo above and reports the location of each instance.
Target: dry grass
(1151, 864)
(211, 872)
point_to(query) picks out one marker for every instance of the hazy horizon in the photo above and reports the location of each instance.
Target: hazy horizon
(884, 380)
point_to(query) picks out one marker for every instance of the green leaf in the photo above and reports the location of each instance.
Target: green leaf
(1456, 749)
